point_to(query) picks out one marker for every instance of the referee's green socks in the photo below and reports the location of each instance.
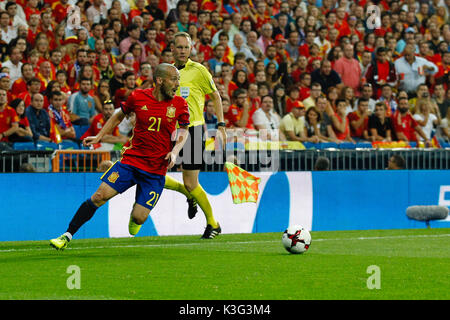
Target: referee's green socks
(202, 199)
(198, 194)
(173, 184)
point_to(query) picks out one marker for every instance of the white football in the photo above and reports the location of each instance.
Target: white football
(296, 239)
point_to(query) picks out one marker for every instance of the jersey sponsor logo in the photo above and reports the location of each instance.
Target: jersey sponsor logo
(144, 108)
(184, 92)
(113, 177)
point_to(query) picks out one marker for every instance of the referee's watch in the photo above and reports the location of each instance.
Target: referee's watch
(221, 124)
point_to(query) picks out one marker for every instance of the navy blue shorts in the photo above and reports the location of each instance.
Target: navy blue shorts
(121, 177)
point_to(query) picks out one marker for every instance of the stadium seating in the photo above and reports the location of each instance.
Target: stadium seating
(309, 145)
(347, 145)
(68, 144)
(80, 130)
(327, 145)
(24, 146)
(363, 145)
(44, 145)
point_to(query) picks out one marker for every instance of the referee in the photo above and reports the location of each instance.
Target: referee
(195, 83)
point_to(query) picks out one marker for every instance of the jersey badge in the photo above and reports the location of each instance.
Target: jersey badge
(113, 177)
(171, 110)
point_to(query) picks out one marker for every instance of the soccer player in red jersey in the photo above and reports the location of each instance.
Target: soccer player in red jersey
(148, 157)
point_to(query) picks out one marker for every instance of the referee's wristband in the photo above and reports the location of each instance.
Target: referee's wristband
(221, 124)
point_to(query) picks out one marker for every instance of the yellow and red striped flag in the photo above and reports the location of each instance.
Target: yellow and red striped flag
(243, 185)
(435, 143)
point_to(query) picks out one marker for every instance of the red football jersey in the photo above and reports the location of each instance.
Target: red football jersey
(155, 130)
(97, 124)
(405, 124)
(7, 117)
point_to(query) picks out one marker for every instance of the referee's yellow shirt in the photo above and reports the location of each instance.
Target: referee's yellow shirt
(195, 83)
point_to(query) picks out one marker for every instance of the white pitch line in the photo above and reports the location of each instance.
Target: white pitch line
(227, 243)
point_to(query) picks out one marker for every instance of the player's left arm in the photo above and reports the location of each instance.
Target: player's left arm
(217, 102)
(182, 135)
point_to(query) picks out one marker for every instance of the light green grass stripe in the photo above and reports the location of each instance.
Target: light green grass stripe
(220, 243)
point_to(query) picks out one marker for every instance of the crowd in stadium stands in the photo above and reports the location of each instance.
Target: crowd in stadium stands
(300, 70)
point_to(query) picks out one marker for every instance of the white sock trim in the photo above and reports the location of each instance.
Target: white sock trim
(68, 235)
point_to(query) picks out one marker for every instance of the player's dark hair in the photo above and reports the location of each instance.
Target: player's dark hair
(380, 104)
(322, 164)
(132, 26)
(238, 91)
(56, 93)
(316, 84)
(24, 65)
(127, 74)
(10, 4)
(267, 95)
(85, 79)
(399, 161)
(360, 100)
(33, 80)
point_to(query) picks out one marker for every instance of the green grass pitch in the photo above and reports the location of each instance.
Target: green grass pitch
(409, 264)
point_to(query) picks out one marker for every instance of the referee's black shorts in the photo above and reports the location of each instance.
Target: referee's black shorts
(192, 153)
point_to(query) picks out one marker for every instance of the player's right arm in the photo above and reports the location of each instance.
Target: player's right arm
(107, 128)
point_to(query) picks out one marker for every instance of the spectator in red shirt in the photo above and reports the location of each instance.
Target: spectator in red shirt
(340, 122)
(129, 84)
(405, 126)
(138, 9)
(293, 95)
(341, 22)
(151, 45)
(31, 8)
(33, 86)
(33, 27)
(5, 83)
(60, 10)
(238, 113)
(304, 86)
(381, 72)
(262, 17)
(369, 42)
(359, 121)
(9, 121)
(99, 121)
(255, 101)
(303, 50)
(204, 45)
(23, 133)
(385, 25)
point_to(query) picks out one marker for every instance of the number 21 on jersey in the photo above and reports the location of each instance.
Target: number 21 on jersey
(153, 199)
(155, 124)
